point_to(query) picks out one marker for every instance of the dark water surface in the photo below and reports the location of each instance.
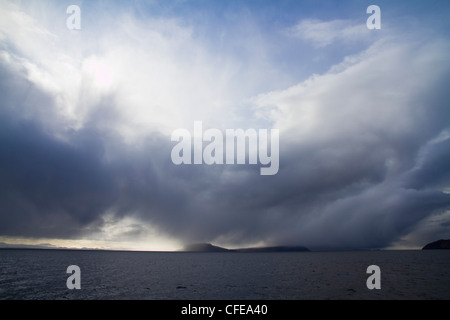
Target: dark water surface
(41, 274)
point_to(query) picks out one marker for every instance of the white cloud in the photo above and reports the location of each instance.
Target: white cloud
(380, 91)
(324, 33)
(158, 74)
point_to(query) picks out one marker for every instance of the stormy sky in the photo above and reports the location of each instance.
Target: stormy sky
(86, 118)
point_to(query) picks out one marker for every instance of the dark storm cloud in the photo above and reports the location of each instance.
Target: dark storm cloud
(350, 205)
(434, 170)
(49, 187)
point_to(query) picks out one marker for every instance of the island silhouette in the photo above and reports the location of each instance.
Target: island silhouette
(440, 244)
(208, 247)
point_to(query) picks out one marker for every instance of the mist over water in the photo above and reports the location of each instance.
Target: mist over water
(41, 274)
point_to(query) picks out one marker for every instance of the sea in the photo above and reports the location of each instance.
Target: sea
(124, 275)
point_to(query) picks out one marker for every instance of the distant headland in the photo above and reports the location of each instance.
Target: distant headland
(207, 247)
(440, 244)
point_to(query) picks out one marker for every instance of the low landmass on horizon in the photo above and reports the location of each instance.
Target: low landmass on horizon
(440, 244)
(207, 247)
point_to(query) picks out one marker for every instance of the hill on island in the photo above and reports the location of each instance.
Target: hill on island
(203, 247)
(207, 247)
(440, 244)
